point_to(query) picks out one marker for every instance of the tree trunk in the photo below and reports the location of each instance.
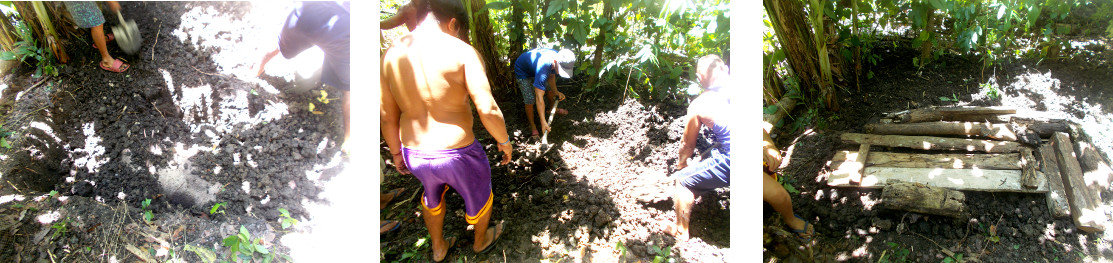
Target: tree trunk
(600, 44)
(483, 39)
(517, 29)
(793, 31)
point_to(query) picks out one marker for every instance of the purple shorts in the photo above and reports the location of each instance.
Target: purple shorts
(464, 169)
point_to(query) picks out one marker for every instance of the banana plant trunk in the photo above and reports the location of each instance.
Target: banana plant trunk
(600, 45)
(483, 40)
(803, 51)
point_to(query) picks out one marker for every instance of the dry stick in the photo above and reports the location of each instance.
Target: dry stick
(156, 41)
(156, 108)
(206, 73)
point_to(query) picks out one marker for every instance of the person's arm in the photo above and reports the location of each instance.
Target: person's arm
(114, 6)
(389, 116)
(395, 20)
(539, 102)
(771, 155)
(489, 113)
(688, 140)
(553, 87)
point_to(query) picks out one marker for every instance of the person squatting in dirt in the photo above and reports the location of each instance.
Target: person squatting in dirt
(427, 78)
(710, 109)
(776, 195)
(536, 72)
(327, 25)
(87, 14)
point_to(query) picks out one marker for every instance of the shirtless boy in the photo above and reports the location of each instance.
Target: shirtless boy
(427, 79)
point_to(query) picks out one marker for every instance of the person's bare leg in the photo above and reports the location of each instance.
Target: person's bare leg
(682, 203)
(266, 58)
(435, 224)
(776, 196)
(482, 239)
(99, 39)
(347, 107)
(530, 116)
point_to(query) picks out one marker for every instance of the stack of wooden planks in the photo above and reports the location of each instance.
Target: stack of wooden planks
(976, 149)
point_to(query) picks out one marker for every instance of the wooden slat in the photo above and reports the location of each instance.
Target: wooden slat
(1085, 206)
(1029, 165)
(958, 179)
(1056, 194)
(1095, 170)
(863, 156)
(946, 128)
(957, 114)
(1005, 161)
(932, 143)
(924, 199)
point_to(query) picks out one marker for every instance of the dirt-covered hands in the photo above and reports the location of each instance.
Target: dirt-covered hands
(507, 152)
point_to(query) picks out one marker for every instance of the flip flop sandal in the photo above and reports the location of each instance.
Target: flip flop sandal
(451, 240)
(498, 234)
(561, 112)
(535, 135)
(396, 226)
(117, 66)
(107, 37)
(394, 193)
(803, 231)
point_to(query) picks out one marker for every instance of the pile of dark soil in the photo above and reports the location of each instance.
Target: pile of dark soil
(852, 228)
(90, 146)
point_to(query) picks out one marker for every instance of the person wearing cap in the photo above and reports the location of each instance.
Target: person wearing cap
(536, 72)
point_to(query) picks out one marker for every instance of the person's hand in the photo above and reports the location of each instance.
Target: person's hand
(400, 164)
(507, 151)
(681, 165)
(545, 126)
(772, 158)
(559, 95)
(114, 6)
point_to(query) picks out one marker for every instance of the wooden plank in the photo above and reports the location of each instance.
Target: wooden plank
(847, 171)
(784, 106)
(1047, 129)
(863, 156)
(958, 179)
(1001, 161)
(1029, 166)
(1095, 171)
(932, 143)
(944, 128)
(990, 114)
(1056, 194)
(924, 199)
(1085, 206)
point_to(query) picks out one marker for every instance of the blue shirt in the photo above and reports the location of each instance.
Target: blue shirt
(536, 64)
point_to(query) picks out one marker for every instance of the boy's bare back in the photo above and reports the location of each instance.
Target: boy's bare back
(426, 76)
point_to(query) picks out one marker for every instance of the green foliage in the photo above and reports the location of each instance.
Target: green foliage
(61, 228)
(287, 221)
(27, 48)
(241, 246)
(216, 208)
(786, 181)
(661, 254)
(894, 254)
(956, 258)
(147, 214)
(621, 249)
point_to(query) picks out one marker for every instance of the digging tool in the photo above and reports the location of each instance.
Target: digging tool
(127, 35)
(545, 145)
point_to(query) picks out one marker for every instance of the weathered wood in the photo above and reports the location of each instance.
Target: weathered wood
(924, 199)
(848, 171)
(932, 143)
(1029, 165)
(1005, 161)
(956, 114)
(863, 157)
(942, 128)
(1085, 206)
(958, 179)
(1056, 194)
(1095, 171)
(1046, 129)
(783, 108)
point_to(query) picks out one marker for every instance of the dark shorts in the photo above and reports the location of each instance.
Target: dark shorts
(464, 169)
(85, 14)
(326, 25)
(526, 86)
(708, 174)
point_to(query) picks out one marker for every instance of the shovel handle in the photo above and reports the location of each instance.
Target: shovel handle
(120, 16)
(551, 114)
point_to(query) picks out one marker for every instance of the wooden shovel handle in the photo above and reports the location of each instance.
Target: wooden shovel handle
(551, 114)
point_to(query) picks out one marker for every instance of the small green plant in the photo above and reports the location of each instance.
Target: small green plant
(60, 228)
(412, 252)
(956, 258)
(787, 182)
(241, 246)
(147, 214)
(991, 91)
(953, 98)
(287, 221)
(216, 208)
(894, 254)
(662, 254)
(621, 249)
(53, 193)
(28, 48)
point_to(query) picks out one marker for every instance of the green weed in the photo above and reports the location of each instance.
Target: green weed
(287, 221)
(216, 208)
(662, 254)
(60, 228)
(241, 246)
(897, 255)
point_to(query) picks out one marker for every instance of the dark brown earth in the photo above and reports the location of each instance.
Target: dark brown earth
(853, 229)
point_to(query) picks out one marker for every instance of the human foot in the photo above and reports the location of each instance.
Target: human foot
(801, 228)
(493, 234)
(115, 66)
(676, 233)
(387, 226)
(561, 112)
(385, 199)
(448, 243)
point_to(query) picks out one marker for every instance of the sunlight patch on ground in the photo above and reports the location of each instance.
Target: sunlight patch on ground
(92, 152)
(179, 177)
(1045, 88)
(336, 221)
